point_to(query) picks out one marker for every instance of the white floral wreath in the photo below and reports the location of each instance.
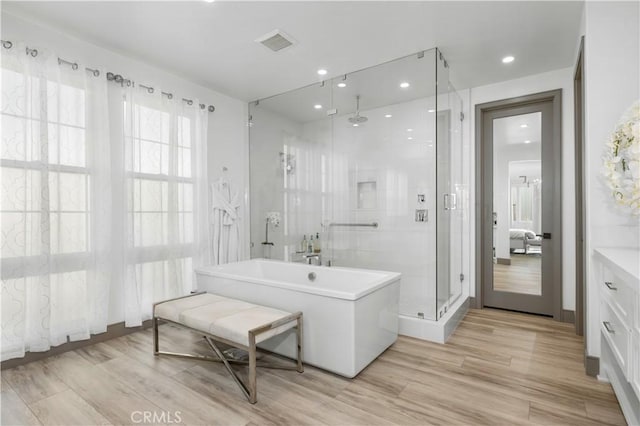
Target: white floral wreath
(622, 162)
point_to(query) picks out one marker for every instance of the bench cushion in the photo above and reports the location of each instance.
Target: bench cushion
(224, 317)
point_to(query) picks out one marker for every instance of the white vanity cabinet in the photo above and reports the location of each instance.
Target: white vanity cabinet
(618, 275)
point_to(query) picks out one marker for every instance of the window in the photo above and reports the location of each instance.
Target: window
(160, 194)
(162, 186)
(45, 176)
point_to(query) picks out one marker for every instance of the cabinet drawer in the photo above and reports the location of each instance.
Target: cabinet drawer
(619, 294)
(617, 334)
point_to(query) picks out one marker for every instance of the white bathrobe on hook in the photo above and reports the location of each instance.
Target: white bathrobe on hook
(225, 223)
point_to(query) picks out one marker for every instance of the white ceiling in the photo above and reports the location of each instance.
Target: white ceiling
(213, 43)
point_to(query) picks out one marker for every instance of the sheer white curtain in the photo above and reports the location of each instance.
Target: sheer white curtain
(162, 164)
(55, 202)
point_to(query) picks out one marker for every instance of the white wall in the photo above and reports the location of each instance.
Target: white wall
(557, 79)
(611, 76)
(227, 125)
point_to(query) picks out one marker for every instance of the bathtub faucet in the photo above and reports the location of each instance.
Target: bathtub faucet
(310, 256)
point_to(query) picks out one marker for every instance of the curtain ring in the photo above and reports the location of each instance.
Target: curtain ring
(211, 108)
(150, 89)
(202, 106)
(96, 73)
(32, 52)
(7, 44)
(74, 66)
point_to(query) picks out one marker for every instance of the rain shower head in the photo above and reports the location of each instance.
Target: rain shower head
(357, 119)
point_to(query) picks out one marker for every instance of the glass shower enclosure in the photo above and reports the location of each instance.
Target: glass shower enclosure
(365, 171)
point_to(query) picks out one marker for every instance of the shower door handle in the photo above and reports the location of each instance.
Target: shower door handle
(446, 202)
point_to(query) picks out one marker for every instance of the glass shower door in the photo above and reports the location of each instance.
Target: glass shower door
(445, 199)
(450, 190)
(459, 194)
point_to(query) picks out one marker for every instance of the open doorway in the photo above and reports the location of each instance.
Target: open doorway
(519, 225)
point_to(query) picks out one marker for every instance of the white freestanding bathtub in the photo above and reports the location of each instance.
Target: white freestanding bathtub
(350, 316)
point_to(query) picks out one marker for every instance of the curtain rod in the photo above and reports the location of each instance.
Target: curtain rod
(110, 76)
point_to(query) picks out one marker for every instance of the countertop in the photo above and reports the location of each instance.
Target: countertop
(624, 261)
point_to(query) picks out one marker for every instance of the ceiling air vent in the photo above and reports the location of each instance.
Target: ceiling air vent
(276, 40)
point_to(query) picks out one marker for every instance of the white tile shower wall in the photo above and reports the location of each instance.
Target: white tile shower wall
(379, 151)
(227, 125)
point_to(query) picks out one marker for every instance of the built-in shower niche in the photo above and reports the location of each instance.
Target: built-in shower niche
(367, 195)
(353, 154)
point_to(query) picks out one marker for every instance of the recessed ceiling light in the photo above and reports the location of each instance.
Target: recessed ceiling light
(524, 126)
(317, 106)
(410, 138)
(209, 1)
(404, 85)
(432, 110)
(388, 116)
(409, 130)
(356, 125)
(322, 71)
(527, 141)
(507, 59)
(342, 84)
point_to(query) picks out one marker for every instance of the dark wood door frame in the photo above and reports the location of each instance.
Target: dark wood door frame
(484, 189)
(578, 99)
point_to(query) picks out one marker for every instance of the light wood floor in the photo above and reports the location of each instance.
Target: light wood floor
(524, 275)
(498, 368)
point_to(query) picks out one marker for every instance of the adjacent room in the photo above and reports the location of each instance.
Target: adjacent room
(312, 212)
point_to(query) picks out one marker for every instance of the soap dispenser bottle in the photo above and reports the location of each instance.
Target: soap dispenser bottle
(310, 246)
(316, 245)
(303, 244)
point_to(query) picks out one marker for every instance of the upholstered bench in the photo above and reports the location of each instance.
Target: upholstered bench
(232, 322)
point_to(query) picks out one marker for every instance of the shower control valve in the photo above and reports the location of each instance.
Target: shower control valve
(422, 215)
